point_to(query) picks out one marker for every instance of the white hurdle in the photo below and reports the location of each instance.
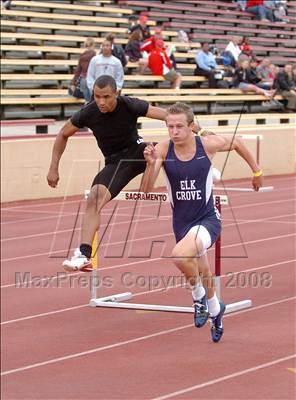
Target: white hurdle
(118, 300)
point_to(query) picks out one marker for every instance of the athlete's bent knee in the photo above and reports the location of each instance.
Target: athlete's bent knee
(180, 258)
(97, 198)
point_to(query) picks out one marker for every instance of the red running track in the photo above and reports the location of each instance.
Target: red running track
(56, 347)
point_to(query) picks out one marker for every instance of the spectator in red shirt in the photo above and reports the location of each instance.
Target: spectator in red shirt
(246, 48)
(160, 64)
(258, 8)
(149, 44)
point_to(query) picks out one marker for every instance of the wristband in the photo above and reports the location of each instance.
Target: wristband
(258, 173)
(200, 132)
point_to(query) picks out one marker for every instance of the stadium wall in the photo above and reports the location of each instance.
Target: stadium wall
(25, 162)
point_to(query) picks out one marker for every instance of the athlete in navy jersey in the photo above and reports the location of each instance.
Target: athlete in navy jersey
(186, 160)
(191, 197)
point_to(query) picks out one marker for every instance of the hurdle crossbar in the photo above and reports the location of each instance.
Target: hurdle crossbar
(118, 300)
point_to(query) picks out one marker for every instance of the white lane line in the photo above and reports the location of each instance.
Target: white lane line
(105, 211)
(127, 342)
(152, 217)
(225, 377)
(235, 184)
(58, 232)
(162, 289)
(43, 314)
(146, 238)
(149, 205)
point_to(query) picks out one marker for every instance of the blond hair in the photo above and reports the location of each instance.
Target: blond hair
(89, 42)
(181, 108)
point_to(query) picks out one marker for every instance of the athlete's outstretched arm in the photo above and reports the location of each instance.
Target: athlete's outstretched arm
(154, 156)
(156, 113)
(58, 148)
(215, 143)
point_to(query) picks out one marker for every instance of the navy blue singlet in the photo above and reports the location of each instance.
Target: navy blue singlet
(190, 187)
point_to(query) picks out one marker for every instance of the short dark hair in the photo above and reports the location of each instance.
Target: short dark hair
(106, 80)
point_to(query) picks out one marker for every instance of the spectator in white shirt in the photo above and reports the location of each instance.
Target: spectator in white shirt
(234, 48)
(105, 64)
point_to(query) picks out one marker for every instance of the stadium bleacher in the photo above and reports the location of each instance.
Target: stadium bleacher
(41, 42)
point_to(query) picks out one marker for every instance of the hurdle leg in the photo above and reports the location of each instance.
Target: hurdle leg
(94, 281)
(218, 255)
(93, 284)
(117, 300)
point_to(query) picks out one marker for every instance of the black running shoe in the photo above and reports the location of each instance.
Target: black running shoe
(217, 325)
(201, 311)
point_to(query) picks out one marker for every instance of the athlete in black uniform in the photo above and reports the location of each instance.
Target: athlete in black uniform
(113, 120)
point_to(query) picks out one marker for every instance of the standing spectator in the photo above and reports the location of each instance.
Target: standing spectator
(79, 79)
(244, 80)
(206, 65)
(133, 50)
(105, 64)
(160, 64)
(234, 49)
(284, 84)
(258, 8)
(117, 50)
(142, 26)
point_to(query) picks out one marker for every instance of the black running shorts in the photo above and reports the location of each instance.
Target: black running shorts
(121, 168)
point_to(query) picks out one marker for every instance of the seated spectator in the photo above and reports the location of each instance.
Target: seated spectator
(183, 37)
(132, 21)
(206, 65)
(142, 26)
(149, 44)
(278, 9)
(253, 73)
(244, 80)
(160, 64)
(133, 50)
(285, 85)
(258, 8)
(79, 79)
(242, 4)
(117, 50)
(5, 4)
(264, 73)
(105, 64)
(273, 71)
(234, 48)
(246, 48)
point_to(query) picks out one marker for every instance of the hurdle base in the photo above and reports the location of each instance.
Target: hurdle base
(115, 301)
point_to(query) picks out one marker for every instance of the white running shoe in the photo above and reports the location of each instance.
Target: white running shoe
(78, 263)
